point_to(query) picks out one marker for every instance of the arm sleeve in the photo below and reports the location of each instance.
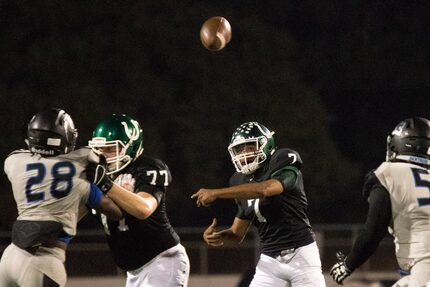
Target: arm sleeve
(95, 196)
(375, 228)
(287, 176)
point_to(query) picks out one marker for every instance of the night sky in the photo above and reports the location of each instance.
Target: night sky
(331, 78)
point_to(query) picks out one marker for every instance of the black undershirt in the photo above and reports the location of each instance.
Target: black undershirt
(375, 228)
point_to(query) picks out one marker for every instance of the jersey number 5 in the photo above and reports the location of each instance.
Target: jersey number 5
(419, 182)
(61, 172)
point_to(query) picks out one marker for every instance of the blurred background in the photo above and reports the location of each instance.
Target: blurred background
(331, 78)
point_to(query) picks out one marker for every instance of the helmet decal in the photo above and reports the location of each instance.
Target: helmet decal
(134, 135)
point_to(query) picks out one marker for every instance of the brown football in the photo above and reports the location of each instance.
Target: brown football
(215, 33)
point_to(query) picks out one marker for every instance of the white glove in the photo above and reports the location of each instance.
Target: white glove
(340, 271)
(126, 181)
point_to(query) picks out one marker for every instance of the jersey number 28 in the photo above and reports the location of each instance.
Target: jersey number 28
(62, 171)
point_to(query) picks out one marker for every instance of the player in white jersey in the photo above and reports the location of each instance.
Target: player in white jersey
(50, 190)
(399, 202)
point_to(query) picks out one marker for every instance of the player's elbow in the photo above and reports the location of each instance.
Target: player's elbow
(144, 206)
(144, 211)
(271, 187)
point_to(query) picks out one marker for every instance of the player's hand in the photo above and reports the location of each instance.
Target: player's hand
(126, 181)
(204, 197)
(97, 174)
(212, 237)
(340, 271)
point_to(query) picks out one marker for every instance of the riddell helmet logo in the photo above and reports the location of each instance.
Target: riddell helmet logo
(133, 133)
(42, 151)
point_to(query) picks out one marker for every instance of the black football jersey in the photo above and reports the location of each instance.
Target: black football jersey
(281, 220)
(134, 242)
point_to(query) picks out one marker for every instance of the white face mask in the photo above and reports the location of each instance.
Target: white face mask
(247, 155)
(114, 151)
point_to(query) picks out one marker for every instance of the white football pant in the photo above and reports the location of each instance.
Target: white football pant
(170, 268)
(298, 269)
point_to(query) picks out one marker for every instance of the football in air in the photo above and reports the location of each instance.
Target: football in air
(215, 33)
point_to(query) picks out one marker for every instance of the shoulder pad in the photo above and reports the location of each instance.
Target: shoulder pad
(150, 163)
(370, 180)
(19, 151)
(80, 156)
(285, 157)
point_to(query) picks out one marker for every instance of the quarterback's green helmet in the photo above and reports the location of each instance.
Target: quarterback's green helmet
(250, 146)
(119, 138)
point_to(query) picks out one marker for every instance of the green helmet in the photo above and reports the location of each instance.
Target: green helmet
(121, 137)
(250, 146)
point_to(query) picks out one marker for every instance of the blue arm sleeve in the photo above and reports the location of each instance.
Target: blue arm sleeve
(95, 196)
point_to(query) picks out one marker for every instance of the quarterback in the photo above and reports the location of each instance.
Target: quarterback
(269, 193)
(399, 203)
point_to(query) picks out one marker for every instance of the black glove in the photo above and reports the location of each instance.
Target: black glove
(340, 271)
(97, 174)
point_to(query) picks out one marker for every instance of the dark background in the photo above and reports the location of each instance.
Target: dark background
(331, 78)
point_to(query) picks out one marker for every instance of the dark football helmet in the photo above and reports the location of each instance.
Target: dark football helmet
(410, 141)
(250, 146)
(51, 132)
(122, 134)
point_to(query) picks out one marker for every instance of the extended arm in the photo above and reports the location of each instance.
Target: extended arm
(265, 188)
(102, 204)
(141, 205)
(375, 228)
(378, 219)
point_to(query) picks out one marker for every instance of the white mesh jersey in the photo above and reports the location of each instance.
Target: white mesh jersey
(409, 188)
(49, 188)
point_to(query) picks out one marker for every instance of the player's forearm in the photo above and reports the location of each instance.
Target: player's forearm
(250, 190)
(375, 228)
(130, 202)
(228, 236)
(110, 209)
